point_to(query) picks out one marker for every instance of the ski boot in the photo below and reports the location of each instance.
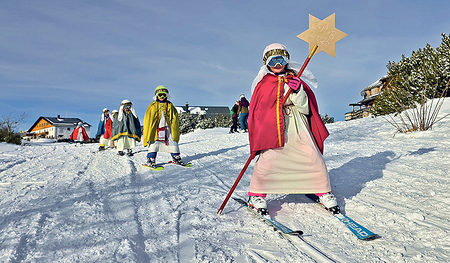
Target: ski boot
(259, 204)
(329, 202)
(177, 160)
(151, 162)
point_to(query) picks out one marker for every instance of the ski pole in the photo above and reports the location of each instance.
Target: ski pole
(236, 183)
(311, 54)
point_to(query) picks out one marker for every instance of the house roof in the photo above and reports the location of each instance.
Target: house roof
(59, 121)
(377, 83)
(208, 110)
(368, 99)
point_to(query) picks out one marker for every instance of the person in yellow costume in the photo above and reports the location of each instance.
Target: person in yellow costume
(161, 128)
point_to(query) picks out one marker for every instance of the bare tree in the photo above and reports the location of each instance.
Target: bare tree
(10, 122)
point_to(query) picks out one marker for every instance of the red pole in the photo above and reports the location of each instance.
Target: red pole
(236, 183)
(311, 54)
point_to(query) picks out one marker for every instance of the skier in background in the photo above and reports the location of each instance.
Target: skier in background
(114, 114)
(288, 138)
(243, 113)
(79, 134)
(104, 130)
(234, 117)
(161, 128)
(126, 129)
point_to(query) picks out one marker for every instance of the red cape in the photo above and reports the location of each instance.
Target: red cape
(74, 135)
(265, 119)
(108, 129)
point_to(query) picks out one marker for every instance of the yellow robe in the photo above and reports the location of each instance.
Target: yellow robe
(153, 116)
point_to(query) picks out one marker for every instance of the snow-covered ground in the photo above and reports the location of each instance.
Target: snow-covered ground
(68, 203)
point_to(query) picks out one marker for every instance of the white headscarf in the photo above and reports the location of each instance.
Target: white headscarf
(103, 113)
(306, 75)
(123, 103)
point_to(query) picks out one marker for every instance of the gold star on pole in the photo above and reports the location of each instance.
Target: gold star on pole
(322, 33)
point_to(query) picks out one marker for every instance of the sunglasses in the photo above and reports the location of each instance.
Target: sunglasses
(277, 60)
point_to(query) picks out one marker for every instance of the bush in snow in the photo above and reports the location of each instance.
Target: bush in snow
(190, 122)
(406, 102)
(8, 124)
(187, 122)
(10, 137)
(326, 119)
(223, 121)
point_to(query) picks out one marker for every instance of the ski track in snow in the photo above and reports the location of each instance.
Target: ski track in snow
(69, 203)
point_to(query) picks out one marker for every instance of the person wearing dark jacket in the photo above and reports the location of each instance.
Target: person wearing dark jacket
(243, 113)
(234, 117)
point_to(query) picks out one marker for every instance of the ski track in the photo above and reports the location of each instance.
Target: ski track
(72, 203)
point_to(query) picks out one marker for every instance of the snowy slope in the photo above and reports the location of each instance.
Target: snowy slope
(68, 203)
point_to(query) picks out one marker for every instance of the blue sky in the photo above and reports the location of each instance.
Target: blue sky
(74, 58)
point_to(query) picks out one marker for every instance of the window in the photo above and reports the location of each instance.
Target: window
(374, 91)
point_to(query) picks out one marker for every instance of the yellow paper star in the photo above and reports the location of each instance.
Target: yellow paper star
(322, 33)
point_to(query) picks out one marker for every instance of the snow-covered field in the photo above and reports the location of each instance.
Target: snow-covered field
(66, 203)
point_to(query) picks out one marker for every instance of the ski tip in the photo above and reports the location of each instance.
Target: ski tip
(371, 237)
(158, 168)
(184, 165)
(296, 233)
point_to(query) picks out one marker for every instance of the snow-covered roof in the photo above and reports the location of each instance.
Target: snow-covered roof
(205, 110)
(377, 83)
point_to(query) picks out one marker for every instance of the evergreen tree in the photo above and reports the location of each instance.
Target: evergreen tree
(326, 119)
(190, 122)
(413, 80)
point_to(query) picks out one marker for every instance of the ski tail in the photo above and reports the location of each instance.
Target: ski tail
(272, 222)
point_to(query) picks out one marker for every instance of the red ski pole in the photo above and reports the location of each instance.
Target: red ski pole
(236, 183)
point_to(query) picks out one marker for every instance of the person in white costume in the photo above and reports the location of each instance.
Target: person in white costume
(289, 137)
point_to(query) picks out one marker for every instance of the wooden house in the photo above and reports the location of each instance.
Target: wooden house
(55, 128)
(361, 109)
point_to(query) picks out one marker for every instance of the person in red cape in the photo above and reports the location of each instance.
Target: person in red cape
(289, 138)
(79, 134)
(104, 131)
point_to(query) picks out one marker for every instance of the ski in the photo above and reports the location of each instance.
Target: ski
(272, 222)
(358, 230)
(184, 164)
(157, 168)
